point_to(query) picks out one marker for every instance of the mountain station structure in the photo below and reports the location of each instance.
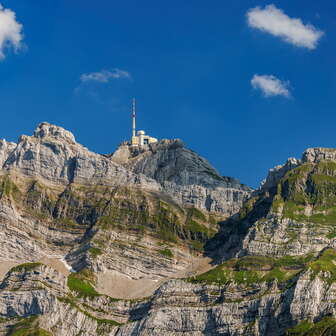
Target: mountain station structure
(139, 138)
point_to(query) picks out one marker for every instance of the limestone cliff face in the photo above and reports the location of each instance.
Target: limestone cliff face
(73, 209)
(5, 149)
(184, 175)
(53, 154)
(240, 305)
(315, 155)
(139, 243)
(265, 309)
(293, 213)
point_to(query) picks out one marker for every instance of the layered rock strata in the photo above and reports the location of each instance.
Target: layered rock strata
(117, 245)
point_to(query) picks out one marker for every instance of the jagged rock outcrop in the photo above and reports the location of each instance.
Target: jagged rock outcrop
(128, 244)
(278, 172)
(35, 298)
(233, 310)
(53, 154)
(293, 213)
(241, 304)
(184, 175)
(315, 155)
(118, 232)
(73, 209)
(5, 149)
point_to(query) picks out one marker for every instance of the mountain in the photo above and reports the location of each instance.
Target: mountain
(75, 223)
(184, 175)
(154, 241)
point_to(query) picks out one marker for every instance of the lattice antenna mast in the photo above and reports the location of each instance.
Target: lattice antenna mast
(133, 118)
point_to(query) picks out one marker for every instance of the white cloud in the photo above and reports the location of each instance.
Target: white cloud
(104, 76)
(274, 21)
(10, 31)
(270, 85)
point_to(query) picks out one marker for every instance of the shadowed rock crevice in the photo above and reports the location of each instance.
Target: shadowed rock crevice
(71, 169)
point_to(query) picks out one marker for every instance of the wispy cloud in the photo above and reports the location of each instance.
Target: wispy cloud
(104, 76)
(270, 86)
(292, 30)
(10, 31)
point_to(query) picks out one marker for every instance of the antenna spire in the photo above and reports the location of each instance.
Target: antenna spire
(133, 118)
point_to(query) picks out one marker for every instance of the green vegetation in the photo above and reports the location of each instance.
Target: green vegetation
(300, 329)
(255, 269)
(290, 262)
(166, 253)
(95, 251)
(105, 222)
(312, 185)
(277, 203)
(325, 327)
(197, 214)
(195, 227)
(326, 168)
(28, 327)
(166, 223)
(30, 332)
(331, 234)
(247, 207)
(248, 270)
(300, 187)
(293, 211)
(146, 215)
(79, 207)
(297, 174)
(8, 188)
(196, 245)
(25, 267)
(325, 263)
(101, 322)
(81, 283)
(143, 215)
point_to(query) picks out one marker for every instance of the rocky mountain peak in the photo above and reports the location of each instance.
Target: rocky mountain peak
(185, 174)
(278, 172)
(126, 244)
(168, 160)
(314, 155)
(46, 130)
(310, 155)
(126, 152)
(167, 166)
(293, 213)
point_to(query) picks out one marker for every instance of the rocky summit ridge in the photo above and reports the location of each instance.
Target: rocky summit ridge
(53, 154)
(154, 241)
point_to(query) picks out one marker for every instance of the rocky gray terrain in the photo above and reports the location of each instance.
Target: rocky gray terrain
(154, 241)
(184, 175)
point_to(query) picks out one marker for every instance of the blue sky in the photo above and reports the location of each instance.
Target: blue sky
(189, 64)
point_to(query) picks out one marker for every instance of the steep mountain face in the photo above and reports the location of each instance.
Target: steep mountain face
(53, 154)
(184, 175)
(156, 242)
(117, 229)
(294, 211)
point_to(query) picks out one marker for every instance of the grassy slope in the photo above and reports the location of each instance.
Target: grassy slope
(324, 327)
(257, 269)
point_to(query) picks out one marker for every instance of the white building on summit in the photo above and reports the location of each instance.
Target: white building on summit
(139, 139)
